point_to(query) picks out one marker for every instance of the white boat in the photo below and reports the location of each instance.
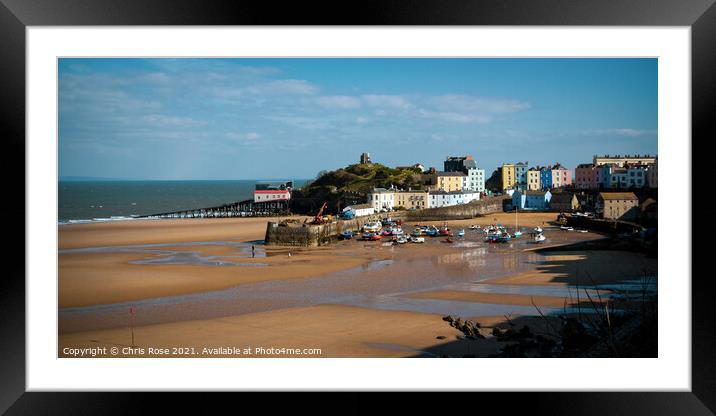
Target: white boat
(417, 239)
(372, 227)
(474, 227)
(539, 238)
(538, 230)
(565, 228)
(401, 240)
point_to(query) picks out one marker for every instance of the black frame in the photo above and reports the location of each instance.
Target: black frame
(15, 15)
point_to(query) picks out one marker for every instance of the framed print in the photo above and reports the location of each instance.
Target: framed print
(310, 206)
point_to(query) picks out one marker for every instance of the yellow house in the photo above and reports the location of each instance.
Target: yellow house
(451, 181)
(533, 182)
(411, 199)
(508, 176)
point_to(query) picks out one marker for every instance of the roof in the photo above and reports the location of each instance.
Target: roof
(585, 165)
(617, 196)
(563, 197)
(450, 174)
(440, 192)
(361, 206)
(532, 192)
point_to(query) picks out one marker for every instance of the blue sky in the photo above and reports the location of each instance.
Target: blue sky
(291, 118)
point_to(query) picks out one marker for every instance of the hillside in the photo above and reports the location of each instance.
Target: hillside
(350, 185)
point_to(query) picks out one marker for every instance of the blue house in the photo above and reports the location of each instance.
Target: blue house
(536, 200)
(545, 178)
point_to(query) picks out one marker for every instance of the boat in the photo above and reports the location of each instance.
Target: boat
(498, 238)
(417, 239)
(432, 232)
(444, 231)
(417, 232)
(372, 227)
(539, 238)
(347, 235)
(398, 231)
(401, 240)
(538, 230)
(517, 232)
(565, 228)
(474, 227)
(461, 233)
(582, 231)
(375, 237)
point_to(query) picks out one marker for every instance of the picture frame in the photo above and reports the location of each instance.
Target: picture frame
(16, 16)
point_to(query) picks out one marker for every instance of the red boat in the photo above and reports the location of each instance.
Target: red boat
(375, 237)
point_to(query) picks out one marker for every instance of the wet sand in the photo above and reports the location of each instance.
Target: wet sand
(338, 331)
(196, 283)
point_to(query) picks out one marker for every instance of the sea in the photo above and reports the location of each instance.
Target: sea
(112, 200)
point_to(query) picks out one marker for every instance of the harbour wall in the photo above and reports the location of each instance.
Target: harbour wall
(306, 235)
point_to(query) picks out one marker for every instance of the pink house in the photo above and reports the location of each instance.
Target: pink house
(561, 176)
(586, 176)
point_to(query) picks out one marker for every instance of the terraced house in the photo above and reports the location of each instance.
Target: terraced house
(451, 181)
(411, 199)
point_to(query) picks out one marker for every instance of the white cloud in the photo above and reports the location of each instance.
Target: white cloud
(472, 104)
(169, 121)
(387, 101)
(343, 102)
(283, 87)
(243, 138)
(302, 122)
(624, 132)
(454, 117)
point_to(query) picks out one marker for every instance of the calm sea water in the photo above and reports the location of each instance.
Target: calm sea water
(107, 200)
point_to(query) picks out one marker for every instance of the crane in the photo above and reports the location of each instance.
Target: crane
(319, 217)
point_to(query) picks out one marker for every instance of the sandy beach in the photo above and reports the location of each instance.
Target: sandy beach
(349, 299)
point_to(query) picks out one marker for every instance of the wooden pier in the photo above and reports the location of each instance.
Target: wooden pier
(247, 208)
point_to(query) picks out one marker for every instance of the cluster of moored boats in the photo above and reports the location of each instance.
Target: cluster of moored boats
(392, 230)
(497, 233)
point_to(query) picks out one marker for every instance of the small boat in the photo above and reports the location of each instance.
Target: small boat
(474, 227)
(432, 232)
(372, 227)
(461, 233)
(538, 230)
(417, 239)
(517, 234)
(444, 231)
(539, 238)
(582, 231)
(347, 235)
(565, 228)
(398, 231)
(375, 237)
(401, 240)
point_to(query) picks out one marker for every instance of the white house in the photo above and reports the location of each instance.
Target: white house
(361, 210)
(537, 200)
(476, 179)
(444, 199)
(381, 198)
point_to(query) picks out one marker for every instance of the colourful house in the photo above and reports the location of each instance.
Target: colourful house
(537, 200)
(545, 178)
(533, 179)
